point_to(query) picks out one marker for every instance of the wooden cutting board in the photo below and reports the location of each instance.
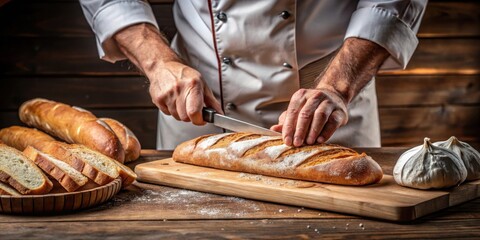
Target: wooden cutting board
(385, 200)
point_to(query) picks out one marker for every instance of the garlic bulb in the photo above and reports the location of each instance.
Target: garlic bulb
(428, 166)
(468, 154)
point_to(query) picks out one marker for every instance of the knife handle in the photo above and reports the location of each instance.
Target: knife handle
(208, 114)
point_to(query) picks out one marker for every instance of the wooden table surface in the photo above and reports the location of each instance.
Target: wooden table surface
(149, 211)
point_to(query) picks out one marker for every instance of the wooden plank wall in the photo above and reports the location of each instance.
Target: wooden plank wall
(48, 50)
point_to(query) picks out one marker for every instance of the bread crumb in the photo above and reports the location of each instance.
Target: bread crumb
(308, 226)
(280, 210)
(360, 225)
(299, 210)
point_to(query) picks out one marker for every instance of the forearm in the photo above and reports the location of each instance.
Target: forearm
(355, 64)
(145, 47)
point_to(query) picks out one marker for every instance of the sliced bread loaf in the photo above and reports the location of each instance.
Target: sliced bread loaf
(95, 159)
(5, 189)
(109, 164)
(21, 173)
(66, 175)
(94, 170)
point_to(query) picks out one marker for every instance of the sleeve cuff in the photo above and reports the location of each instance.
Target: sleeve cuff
(387, 30)
(113, 17)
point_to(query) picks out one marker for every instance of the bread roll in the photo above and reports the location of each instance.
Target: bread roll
(267, 155)
(129, 141)
(72, 124)
(21, 173)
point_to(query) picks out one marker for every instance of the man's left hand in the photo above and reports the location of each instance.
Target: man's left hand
(312, 115)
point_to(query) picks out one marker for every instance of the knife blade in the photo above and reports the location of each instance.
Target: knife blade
(235, 125)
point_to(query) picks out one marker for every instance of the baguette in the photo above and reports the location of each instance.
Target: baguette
(21, 173)
(22, 137)
(267, 155)
(68, 177)
(73, 125)
(5, 189)
(129, 141)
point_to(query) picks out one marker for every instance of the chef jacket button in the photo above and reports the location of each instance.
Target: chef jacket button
(222, 16)
(287, 65)
(285, 14)
(230, 106)
(227, 60)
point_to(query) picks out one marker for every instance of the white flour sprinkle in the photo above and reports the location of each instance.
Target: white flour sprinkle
(203, 204)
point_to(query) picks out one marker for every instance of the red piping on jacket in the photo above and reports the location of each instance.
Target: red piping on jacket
(219, 64)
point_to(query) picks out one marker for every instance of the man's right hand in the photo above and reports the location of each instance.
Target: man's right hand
(176, 89)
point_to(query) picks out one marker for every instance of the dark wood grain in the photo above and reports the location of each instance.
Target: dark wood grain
(437, 122)
(63, 19)
(451, 19)
(419, 90)
(244, 229)
(443, 56)
(88, 92)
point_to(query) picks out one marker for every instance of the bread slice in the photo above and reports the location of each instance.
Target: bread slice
(95, 159)
(21, 173)
(5, 189)
(112, 166)
(127, 175)
(66, 175)
(92, 169)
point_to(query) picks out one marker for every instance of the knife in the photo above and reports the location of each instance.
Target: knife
(232, 124)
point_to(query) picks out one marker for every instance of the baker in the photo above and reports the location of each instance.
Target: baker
(304, 68)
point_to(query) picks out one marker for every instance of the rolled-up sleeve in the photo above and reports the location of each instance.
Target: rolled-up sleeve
(107, 17)
(391, 24)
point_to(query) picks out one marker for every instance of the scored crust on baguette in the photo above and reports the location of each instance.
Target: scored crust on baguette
(22, 137)
(21, 173)
(68, 177)
(268, 155)
(5, 189)
(72, 124)
(129, 141)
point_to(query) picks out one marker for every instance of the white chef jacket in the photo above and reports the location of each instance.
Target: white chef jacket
(255, 54)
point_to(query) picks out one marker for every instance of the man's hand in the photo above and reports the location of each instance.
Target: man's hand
(313, 115)
(176, 89)
(179, 90)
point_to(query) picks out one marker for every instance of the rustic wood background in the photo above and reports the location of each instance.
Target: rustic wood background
(48, 50)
